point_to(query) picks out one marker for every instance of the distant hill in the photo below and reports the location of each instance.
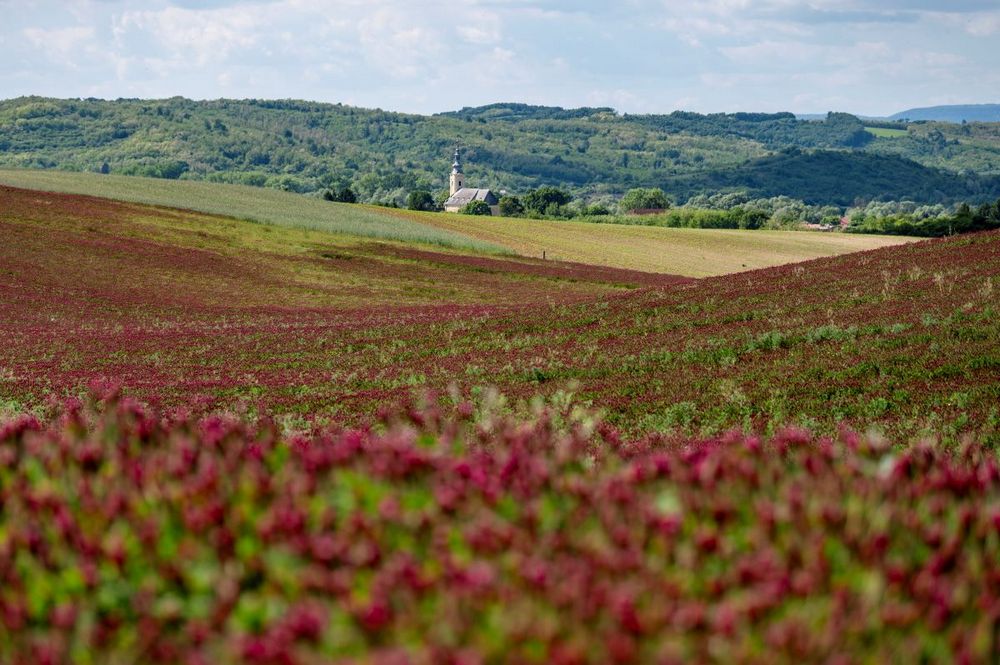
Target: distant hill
(955, 113)
(839, 178)
(515, 111)
(596, 153)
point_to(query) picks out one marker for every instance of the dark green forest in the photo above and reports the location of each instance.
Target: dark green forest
(594, 153)
(840, 178)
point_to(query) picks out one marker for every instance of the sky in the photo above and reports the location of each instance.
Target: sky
(872, 57)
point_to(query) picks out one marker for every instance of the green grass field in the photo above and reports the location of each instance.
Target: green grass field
(885, 133)
(266, 206)
(688, 252)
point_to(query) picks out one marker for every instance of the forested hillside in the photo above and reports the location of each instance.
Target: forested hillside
(839, 178)
(307, 147)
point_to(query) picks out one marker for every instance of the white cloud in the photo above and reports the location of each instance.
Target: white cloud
(692, 29)
(772, 52)
(398, 45)
(637, 55)
(983, 25)
(62, 44)
(619, 98)
(478, 34)
(201, 36)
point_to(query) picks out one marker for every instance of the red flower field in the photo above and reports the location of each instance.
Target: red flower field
(466, 538)
(223, 442)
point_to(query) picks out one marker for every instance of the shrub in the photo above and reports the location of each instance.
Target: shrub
(343, 195)
(476, 208)
(511, 206)
(597, 210)
(546, 201)
(644, 199)
(420, 200)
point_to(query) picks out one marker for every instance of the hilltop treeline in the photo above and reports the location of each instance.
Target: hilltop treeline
(593, 152)
(775, 130)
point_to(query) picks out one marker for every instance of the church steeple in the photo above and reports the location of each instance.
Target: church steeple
(457, 180)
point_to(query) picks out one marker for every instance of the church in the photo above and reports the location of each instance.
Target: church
(462, 195)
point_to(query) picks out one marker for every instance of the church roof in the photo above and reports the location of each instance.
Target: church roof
(467, 195)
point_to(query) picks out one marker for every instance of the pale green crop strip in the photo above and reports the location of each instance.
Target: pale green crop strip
(266, 206)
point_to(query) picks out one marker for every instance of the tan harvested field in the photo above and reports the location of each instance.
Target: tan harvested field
(688, 252)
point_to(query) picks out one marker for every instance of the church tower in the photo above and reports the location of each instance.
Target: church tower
(462, 195)
(457, 181)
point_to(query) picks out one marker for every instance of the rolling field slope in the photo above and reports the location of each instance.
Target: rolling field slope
(690, 252)
(161, 258)
(258, 204)
(180, 308)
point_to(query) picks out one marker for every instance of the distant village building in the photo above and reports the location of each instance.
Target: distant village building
(461, 195)
(841, 224)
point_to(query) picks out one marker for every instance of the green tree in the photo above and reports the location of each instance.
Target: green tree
(751, 218)
(597, 210)
(346, 195)
(511, 206)
(644, 199)
(546, 200)
(420, 200)
(476, 208)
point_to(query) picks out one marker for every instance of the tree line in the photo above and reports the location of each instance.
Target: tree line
(965, 219)
(728, 210)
